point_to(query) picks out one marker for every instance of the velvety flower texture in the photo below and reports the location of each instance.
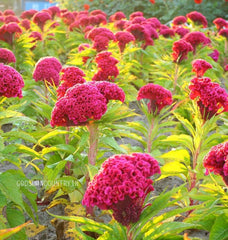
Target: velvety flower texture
(196, 38)
(124, 38)
(7, 56)
(181, 31)
(40, 18)
(158, 97)
(70, 77)
(82, 103)
(9, 31)
(217, 161)
(198, 18)
(168, 32)
(181, 48)
(82, 47)
(11, 18)
(214, 55)
(48, 69)
(220, 23)
(179, 20)
(11, 82)
(25, 23)
(28, 14)
(122, 185)
(211, 98)
(224, 33)
(117, 16)
(135, 14)
(200, 66)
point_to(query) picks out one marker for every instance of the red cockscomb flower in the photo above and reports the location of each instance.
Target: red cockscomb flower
(40, 18)
(124, 38)
(11, 18)
(181, 31)
(68, 17)
(70, 77)
(200, 66)
(28, 14)
(9, 31)
(135, 14)
(8, 12)
(86, 7)
(25, 23)
(7, 56)
(48, 69)
(214, 55)
(217, 161)
(224, 33)
(211, 98)
(152, 1)
(181, 48)
(11, 82)
(220, 23)
(196, 38)
(167, 32)
(117, 16)
(158, 97)
(198, 18)
(55, 11)
(198, 1)
(122, 185)
(179, 20)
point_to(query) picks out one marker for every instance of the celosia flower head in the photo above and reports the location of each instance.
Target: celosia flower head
(28, 14)
(158, 97)
(224, 33)
(40, 18)
(11, 18)
(135, 14)
(70, 77)
(181, 31)
(117, 16)
(83, 103)
(214, 55)
(11, 82)
(8, 32)
(196, 38)
(181, 48)
(200, 66)
(8, 12)
(198, 18)
(68, 17)
(217, 161)
(211, 98)
(48, 69)
(25, 23)
(179, 20)
(220, 23)
(122, 185)
(124, 38)
(7, 56)
(168, 32)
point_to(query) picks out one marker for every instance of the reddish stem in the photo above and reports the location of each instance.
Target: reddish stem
(68, 165)
(149, 140)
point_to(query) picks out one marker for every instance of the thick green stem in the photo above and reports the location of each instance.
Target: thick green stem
(175, 78)
(149, 140)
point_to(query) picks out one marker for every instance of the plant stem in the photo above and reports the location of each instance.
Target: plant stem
(93, 142)
(129, 235)
(67, 170)
(149, 140)
(175, 78)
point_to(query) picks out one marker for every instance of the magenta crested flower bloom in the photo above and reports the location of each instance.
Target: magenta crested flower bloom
(179, 20)
(107, 70)
(70, 77)
(214, 55)
(198, 18)
(138, 20)
(111, 91)
(155, 22)
(181, 31)
(48, 69)
(55, 11)
(216, 161)
(11, 82)
(167, 32)
(135, 14)
(25, 23)
(8, 12)
(181, 48)
(158, 97)
(28, 14)
(9, 31)
(11, 18)
(211, 98)
(40, 18)
(200, 66)
(117, 16)
(7, 56)
(123, 39)
(224, 33)
(68, 17)
(197, 38)
(122, 185)
(220, 23)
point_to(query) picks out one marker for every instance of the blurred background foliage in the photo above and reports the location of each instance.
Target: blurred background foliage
(164, 10)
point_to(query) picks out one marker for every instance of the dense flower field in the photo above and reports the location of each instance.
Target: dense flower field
(100, 108)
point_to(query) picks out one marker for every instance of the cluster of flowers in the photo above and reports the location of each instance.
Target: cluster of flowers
(107, 70)
(85, 102)
(122, 184)
(211, 98)
(158, 97)
(7, 56)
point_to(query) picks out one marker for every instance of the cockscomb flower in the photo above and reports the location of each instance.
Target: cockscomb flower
(111, 91)
(158, 97)
(48, 69)
(40, 18)
(211, 98)
(55, 11)
(135, 14)
(200, 66)
(214, 55)
(196, 38)
(7, 56)
(11, 18)
(220, 23)
(179, 20)
(25, 23)
(217, 161)
(198, 18)
(97, 12)
(68, 17)
(100, 31)
(123, 39)
(81, 103)
(181, 48)
(226, 67)
(138, 20)
(167, 32)
(198, 1)
(100, 43)
(122, 185)
(156, 23)
(224, 33)
(8, 12)
(82, 47)
(181, 31)
(11, 82)
(28, 14)
(70, 77)
(9, 31)
(117, 16)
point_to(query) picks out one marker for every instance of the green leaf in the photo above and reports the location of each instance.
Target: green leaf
(111, 142)
(24, 149)
(177, 155)
(60, 147)
(20, 135)
(52, 134)
(219, 230)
